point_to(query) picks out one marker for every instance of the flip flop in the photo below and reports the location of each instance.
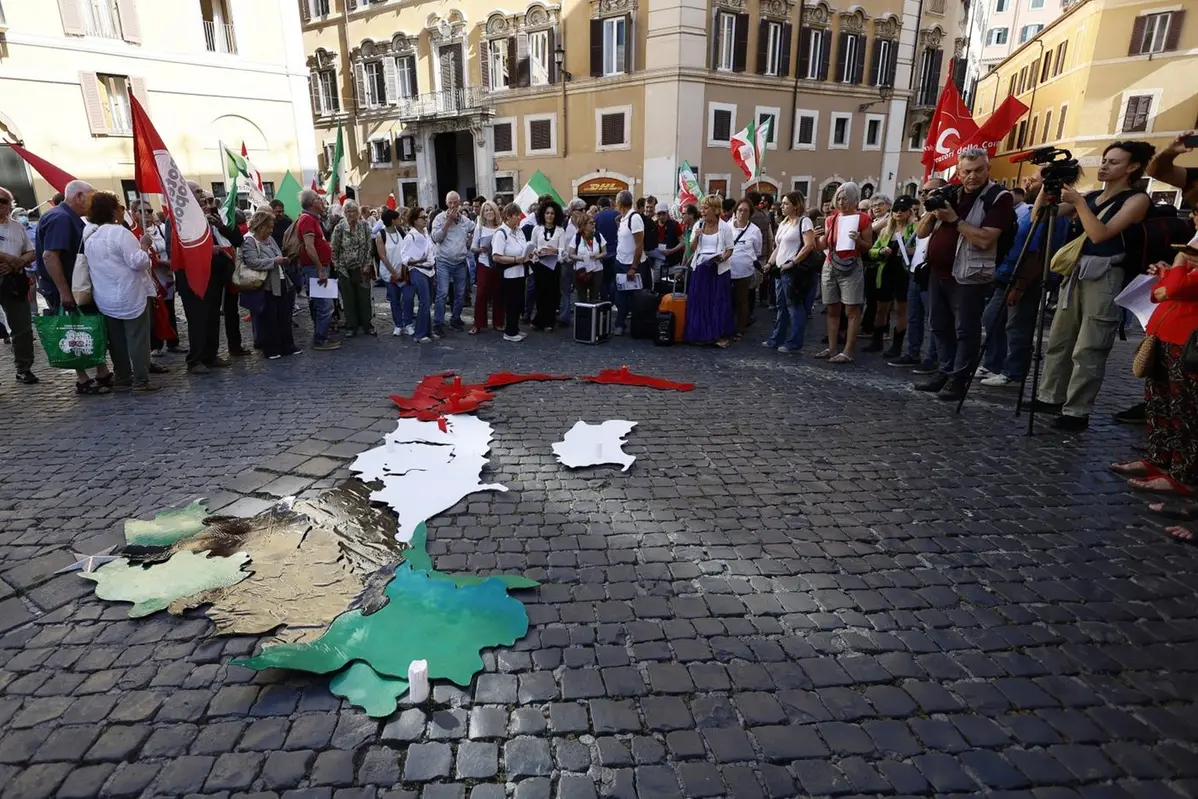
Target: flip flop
(841, 358)
(1160, 484)
(823, 355)
(1181, 511)
(1182, 535)
(1140, 468)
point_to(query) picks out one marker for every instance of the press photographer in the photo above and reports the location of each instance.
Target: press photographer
(970, 228)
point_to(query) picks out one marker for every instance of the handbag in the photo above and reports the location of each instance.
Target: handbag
(1144, 361)
(81, 277)
(245, 278)
(1066, 259)
(73, 341)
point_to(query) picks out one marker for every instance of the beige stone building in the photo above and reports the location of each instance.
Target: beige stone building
(602, 95)
(206, 71)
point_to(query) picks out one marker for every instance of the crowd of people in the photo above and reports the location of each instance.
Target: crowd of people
(964, 262)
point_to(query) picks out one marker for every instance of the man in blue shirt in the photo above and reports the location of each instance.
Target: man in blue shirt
(607, 223)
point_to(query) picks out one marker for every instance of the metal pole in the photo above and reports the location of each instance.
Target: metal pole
(1054, 210)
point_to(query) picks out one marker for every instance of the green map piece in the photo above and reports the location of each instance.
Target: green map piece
(152, 589)
(364, 687)
(419, 558)
(425, 619)
(288, 191)
(166, 528)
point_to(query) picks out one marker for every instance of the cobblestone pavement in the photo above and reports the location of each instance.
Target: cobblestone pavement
(814, 581)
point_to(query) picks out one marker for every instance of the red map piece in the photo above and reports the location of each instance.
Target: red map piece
(624, 377)
(501, 379)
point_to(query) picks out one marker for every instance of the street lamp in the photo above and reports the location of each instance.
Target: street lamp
(884, 95)
(559, 58)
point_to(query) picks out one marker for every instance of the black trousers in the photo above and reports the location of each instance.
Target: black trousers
(232, 318)
(274, 324)
(546, 292)
(203, 317)
(513, 303)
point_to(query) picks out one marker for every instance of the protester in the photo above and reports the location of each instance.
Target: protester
(918, 303)
(842, 282)
(746, 256)
(122, 286)
(509, 251)
(709, 318)
(792, 267)
(16, 253)
(967, 240)
(451, 233)
(548, 240)
(1163, 168)
(586, 252)
(607, 224)
(259, 251)
(417, 258)
(226, 239)
(691, 219)
(1087, 320)
(315, 261)
(892, 251)
(164, 280)
(630, 244)
(397, 279)
(351, 259)
(565, 276)
(878, 209)
(670, 240)
(57, 243)
(489, 279)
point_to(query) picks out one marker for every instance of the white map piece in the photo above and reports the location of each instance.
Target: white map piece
(595, 444)
(425, 470)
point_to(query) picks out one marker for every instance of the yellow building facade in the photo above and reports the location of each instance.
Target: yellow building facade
(206, 71)
(605, 95)
(1106, 70)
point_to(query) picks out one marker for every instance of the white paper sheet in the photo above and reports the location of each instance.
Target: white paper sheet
(844, 226)
(1137, 298)
(325, 292)
(624, 284)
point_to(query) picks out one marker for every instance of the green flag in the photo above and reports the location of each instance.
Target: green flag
(537, 185)
(336, 185)
(288, 192)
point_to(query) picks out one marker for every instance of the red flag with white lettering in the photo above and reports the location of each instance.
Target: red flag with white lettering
(994, 129)
(155, 172)
(952, 124)
(53, 175)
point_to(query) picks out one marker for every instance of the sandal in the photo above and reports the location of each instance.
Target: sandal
(823, 355)
(841, 358)
(1181, 535)
(722, 343)
(107, 381)
(1181, 511)
(91, 387)
(1160, 484)
(1140, 468)
(474, 331)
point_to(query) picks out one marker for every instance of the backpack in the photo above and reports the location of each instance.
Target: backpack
(650, 232)
(291, 242)
(1150, 241)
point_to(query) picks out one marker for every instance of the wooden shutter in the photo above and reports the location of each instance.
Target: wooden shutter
(1031, 139)
(138, 87)
(360, 84)
(305, 11)
(130, 24)
(805, 51)
(334, 98)
(551, 51)
(1173, 35)
(72, 18)
(787, 33)
(934, 87)
(891, 59)
(502, 136)
(1136, 45)
(1033, 73)
(740, 43)
(314, 88)
(92, 104)
(540, 135)
(1047, 125)
(1011, 88)
(390, 81)
(806, 130)
(825, 55)
(842, 65)
(513, 62)
(859, 66)
(611, 129)
(596, 48)
(1046, 67)
(351, 5)
(1062, 50)
(715, 39)
(1135, 120)
(629, 45)
(484, 63)
(1061, 121)
(763, 46)
(875, 65)
(523, 65)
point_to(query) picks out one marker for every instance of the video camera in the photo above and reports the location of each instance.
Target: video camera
(1058, 167)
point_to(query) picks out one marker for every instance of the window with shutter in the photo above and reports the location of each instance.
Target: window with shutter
(540, 135)
(873, 132)
(406, 148)
(380, 152)
(611, 129)
(498, 64)
(503, 138)
(1150, 33)
(768, 117)
(802, 186)
(1011, 140)
(719, 187)
(725, 41)
(540, 58)
(1059, 66)
(114, 99)
(1021, 136)
(1031, 136)
(721, 128)
(93, 104)
(374, 84)
(1135, 117)
(1061, 123)
(805, 130)
(772, 48)
(325, 96)
(1046, 67)
(1047, 125)
(406, 77)
(615, 45)
(841, 127)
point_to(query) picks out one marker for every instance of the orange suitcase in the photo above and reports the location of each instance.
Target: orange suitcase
(675, 304)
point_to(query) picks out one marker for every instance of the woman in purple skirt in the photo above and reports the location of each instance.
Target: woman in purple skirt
(709, 317)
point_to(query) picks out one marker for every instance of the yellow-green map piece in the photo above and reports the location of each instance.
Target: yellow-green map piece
(152, 589)
(166, 528)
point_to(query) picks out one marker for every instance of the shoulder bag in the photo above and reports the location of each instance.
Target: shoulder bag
(245, 278)
(81, 277)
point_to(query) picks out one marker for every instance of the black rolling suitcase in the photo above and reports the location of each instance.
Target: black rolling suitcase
(665, 329)
(644, 315)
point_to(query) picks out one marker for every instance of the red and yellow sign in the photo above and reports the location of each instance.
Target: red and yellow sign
(603, 185)
(765, 187)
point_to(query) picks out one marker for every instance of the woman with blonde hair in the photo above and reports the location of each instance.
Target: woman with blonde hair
(260, 252)
(487, 277)
(709, 318)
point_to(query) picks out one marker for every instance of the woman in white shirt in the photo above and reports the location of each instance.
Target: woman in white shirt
(388, 243)
(586, 252)
(487, 279)
(746, 253)
(121, 286)
(416, 256)
(509, 252)
(709, 317)
(548, 240)
(795, 275)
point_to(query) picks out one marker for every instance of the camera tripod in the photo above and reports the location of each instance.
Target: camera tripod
(1047, 216)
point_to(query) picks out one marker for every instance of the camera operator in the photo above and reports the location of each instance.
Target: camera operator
(1087, 319)
(969, 230)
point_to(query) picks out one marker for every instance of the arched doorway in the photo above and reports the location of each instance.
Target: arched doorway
(453, 160)
(592, 188)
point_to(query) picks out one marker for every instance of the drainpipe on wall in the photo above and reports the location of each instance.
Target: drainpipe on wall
(794, 96)
(895, 133)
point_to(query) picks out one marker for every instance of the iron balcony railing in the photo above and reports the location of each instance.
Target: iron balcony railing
(447, 103)
(219, 37)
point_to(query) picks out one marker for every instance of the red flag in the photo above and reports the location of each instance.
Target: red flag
(391, 202)
(156, 172)
(952, 124)
(53, 175)
(994, 129)
(244, 152)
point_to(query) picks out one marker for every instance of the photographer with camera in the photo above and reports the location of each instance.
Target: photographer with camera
(969, 228)
(1087, 319)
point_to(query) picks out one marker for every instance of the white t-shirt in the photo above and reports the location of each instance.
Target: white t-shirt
(120, 272)
(746, 248)
(511, 244)
(393, 242)
(14, 240)
(629, 226)
(482, 238)
(712, 245)
(788, 241)
(588, 254)
(417, 245)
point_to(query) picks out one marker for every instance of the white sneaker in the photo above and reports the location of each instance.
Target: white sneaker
(410, 330)
(767, 345)
(156, 353)
(784, 350)
(998, 381)
(398, 331)
(517, 337)
(425, 340)
(982, 372)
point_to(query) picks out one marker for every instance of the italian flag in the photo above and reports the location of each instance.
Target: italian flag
(537, 185)
(336, 185)
(748, 148)
(239, 176)
(689, 192)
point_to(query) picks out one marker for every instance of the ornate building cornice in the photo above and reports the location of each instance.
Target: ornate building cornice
(817, 16)
(780, 10)
(612, 8)
(735, 6)
(852, 21)
(322, 59)
(931, 37)
(536, 17)
(887, 27)
(448, 28)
